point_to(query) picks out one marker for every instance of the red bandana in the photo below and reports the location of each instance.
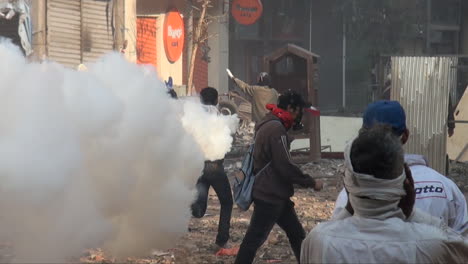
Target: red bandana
(283, 115)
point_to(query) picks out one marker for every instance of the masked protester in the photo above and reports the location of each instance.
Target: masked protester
(435, 194)
(170, 89)
(214, 176)
(273, 187)
(381, 201)
(261, 94)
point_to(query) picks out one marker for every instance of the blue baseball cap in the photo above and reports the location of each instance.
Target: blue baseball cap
(385, 112)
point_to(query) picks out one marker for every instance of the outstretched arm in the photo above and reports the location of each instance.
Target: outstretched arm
(245, 87)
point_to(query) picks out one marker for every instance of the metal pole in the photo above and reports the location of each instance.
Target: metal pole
(310, 25)
(344, 64)
(428, 26)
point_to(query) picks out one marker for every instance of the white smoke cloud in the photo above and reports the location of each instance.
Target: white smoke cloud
(211, 131)
(95, 158)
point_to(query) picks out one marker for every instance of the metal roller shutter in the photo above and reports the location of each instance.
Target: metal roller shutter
(97, 34)
(64, 31)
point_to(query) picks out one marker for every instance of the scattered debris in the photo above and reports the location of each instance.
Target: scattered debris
(94, 256)
(242, 140)
(244, 135)
(273, 261)
(227, 252)
(312, 208)
(159, 253)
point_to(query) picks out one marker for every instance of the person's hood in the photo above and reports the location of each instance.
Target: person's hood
(415, 159)
(268, 117)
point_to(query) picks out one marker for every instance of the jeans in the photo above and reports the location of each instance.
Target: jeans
(214, 176)
(264, 217)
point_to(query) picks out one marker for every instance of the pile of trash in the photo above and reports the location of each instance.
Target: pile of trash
(244, 135)
(242, 140)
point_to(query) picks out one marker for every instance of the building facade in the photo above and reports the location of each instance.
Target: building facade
(157, 33)
(350, 36)
(241, 34)
(154, 26)
(75, 32)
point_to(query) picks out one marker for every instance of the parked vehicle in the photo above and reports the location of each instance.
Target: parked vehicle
(233, 103)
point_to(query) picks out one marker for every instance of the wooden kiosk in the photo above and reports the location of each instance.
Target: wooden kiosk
(295, 68)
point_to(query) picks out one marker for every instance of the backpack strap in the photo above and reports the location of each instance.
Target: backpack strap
(274, 120)
(255, 136)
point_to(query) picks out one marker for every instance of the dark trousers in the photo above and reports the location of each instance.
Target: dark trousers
(214, 176)
(264, 217)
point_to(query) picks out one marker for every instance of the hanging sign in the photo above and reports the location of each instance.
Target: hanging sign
(174, 35)
(247, 12)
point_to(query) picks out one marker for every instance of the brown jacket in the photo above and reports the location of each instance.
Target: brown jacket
(275, 183)
(261, 96)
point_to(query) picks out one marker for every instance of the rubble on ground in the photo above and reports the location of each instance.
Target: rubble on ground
(156, 257)
(197, 245)
(312, 208)
(459, 174)
(242, 140)
(244, 135)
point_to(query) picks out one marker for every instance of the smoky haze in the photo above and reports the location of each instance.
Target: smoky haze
(95, 158)
(211, 132)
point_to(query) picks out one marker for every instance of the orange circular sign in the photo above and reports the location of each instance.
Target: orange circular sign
(174, 35)
(247, 12)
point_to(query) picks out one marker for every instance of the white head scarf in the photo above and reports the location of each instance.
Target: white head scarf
(370, 196)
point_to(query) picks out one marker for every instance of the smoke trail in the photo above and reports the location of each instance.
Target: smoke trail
(94, 159)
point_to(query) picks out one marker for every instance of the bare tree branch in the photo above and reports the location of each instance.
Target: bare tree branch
(207, 37)
(200, 30)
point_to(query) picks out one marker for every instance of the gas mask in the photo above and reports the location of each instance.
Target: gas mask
(298, 125)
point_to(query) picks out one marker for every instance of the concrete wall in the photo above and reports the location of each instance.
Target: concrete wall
(327, 41)
(205, 74)
(464, 29)
(130, 16)
(152, 7)
(213, 73)
(219, 53)
(414, 47)
(158, 9)
(166, 68)
(335, 131)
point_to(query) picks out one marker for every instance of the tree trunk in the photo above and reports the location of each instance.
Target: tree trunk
(193, 57)
(196, 42)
